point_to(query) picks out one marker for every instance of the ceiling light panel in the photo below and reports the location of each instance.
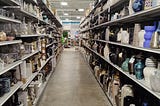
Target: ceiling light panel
(64, 3)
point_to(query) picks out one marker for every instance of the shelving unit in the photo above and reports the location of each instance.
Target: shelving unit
(6, 96)
(10, 66)
(6, 19)
(33, 43)
(139, 82)
(3, 43)
(95, 38)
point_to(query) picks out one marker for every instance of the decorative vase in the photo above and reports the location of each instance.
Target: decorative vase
(95, 46)
(148, 35)
(131, 11)
(141, 38)
(113, 58)
(137, 5)
(155, 3)
(107, 34)
(97, 71)
(147, 4)
(127, 90)
(137, 28)
(119, 35)
(151, 62)
(125, 37)
(138, 67)
(125, 65)
(154, 80)
(147, 72)
(131, 65)
(106, 51)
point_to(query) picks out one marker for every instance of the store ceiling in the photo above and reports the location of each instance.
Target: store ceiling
(70, 11)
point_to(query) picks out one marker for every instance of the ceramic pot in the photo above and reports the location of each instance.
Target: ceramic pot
(141, 38)
(107, 34)
(148, 71)
(119, 35)
(127, 90)
(138, 67)
(106, 51)
(95, 46)
(154, 80)
(113, 58)
(137, 5)
(151, 62)
(3, 36)
(148, 35)
(131, 11)
(137, 28)
(125, 37)
(155, 3)
(147, 4)
(131, 65)
(125, 65)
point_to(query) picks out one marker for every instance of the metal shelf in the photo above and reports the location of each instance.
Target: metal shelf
(4, 43)
(10, 2)
(25, 36)
(157, 51)
(49, 12)
(29, 55)
(102, 1)
(139, 82)
(136, 17)
(10, 66)
(29, 15)
(29, 80)
(49, 45)
(6, 96)
(32, 1)
(6, 19)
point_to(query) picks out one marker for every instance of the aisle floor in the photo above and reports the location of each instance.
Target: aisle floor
(73, 84)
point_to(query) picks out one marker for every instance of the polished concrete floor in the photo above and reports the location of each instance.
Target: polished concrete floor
(73, 84)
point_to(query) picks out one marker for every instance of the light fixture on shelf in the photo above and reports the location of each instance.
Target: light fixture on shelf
(64, 3)
(81, 9)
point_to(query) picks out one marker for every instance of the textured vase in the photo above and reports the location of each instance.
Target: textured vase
(137, 29)
(137, 5)
(106, 51)
(148, 71)
(125, 37)
(138, 67)
(141, 38)
(119, 35)
(127, 90)
(155, 79)
(107, 34)
(148, 35)
(125, 65)
(147, 4)
(131, 11)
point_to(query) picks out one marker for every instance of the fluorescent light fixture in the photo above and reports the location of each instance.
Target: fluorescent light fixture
(78, 17)
(81, 9)
(66, 14)
(64, 3)
(67, 19)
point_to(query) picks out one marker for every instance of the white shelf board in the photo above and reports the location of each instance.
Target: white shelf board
(29, 55)
(25, 36)
(29, 80)
(10, 66)
(6, 96)
(6, 19)
(139, 82)
(49, 45)
(3, 43)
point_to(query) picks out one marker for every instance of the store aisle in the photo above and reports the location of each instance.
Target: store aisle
(73, 84)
